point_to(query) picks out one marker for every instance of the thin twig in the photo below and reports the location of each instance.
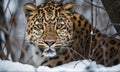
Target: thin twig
(2, 28)
(78, 63)
(91, 28)
(7, 6)
(96, 11)
(94, 4)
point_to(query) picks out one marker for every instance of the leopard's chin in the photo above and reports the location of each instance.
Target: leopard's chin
(49, 52)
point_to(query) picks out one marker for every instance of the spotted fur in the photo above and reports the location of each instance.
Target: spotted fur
(60, 35)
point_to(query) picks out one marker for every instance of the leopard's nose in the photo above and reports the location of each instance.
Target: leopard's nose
(49, 43)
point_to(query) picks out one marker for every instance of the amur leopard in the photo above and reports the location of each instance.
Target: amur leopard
(60, 35)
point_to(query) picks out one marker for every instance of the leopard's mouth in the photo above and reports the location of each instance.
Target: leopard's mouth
(49, 52)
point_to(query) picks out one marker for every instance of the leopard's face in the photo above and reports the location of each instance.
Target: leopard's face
(49, 26)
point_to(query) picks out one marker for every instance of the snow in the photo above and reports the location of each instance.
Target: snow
(81, 66)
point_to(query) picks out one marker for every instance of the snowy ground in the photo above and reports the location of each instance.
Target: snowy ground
(81, 66)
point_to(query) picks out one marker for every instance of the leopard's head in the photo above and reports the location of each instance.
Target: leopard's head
(49, 26)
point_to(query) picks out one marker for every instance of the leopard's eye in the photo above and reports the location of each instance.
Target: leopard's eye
(59, 26)
(40, 26)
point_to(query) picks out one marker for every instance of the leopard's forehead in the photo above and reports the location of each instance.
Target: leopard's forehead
(49, 10)
(51, 4)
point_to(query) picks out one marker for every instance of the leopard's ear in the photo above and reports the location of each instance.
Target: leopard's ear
(70, 7)
(30, 10)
